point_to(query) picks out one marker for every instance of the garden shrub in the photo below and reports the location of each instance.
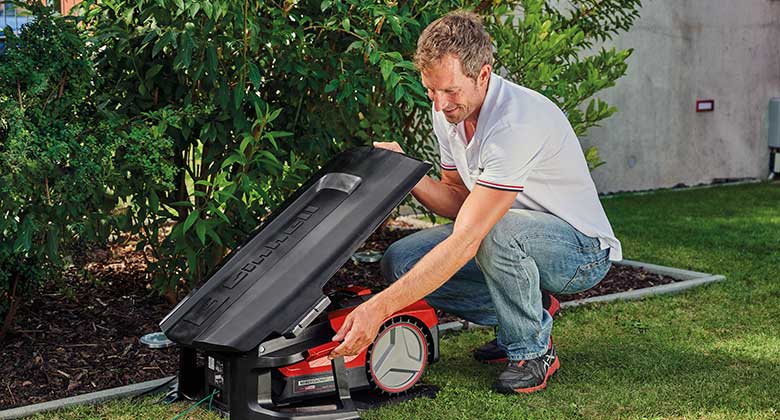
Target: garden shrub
(53, 161)
(256, 95)
(62, 160)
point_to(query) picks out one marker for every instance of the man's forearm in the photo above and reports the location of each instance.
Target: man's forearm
(439, 197)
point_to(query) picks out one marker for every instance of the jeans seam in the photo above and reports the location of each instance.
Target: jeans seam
(529, 238)
(581, 268)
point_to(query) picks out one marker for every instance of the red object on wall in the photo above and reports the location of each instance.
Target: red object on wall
(705, 105)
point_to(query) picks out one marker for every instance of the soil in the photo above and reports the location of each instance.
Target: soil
(82, 334)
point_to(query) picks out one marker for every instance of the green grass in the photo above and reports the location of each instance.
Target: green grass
(710, 353)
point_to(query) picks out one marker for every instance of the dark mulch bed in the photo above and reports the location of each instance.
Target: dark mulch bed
(620, 278)
(82, 335)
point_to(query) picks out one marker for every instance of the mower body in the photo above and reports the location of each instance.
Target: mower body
(255, 337)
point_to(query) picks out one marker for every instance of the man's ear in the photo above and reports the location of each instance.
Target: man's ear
(484, 74)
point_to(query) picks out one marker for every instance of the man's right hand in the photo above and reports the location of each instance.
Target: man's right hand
(392, 146)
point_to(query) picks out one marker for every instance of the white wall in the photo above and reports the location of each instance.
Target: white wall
(684, 50)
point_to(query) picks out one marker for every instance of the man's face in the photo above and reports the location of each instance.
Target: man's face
(454, 93)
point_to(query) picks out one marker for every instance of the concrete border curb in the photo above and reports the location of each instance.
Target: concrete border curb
(91, 398)
(689, 279)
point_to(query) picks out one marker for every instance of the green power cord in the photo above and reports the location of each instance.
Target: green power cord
(209, 397)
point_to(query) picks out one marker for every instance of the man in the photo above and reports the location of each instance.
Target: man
(527, 215)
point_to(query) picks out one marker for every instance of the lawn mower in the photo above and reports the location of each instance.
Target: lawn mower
(255, 336)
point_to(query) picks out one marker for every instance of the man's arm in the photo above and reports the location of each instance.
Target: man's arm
(481, 210)
(443, 197)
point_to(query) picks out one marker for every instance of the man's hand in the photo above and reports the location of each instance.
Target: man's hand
(392, 146)
(359, 330)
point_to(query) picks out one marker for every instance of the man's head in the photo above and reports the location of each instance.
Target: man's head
(455, 57)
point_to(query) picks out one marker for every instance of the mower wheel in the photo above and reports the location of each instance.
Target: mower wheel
(396, 359)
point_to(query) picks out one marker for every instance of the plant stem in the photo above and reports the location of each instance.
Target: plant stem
(11, 314)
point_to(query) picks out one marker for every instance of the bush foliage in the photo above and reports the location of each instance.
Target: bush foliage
(258, 94)
(196, 119)
(53, 162)
(62, 160)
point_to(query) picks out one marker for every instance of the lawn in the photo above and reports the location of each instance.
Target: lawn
(710, 353)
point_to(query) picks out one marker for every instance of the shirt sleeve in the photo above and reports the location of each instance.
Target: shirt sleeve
(509, 155)
(445, 154)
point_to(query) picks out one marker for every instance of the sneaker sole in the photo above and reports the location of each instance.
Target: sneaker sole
(554, 368)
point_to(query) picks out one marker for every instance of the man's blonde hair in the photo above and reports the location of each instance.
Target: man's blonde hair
(460, 34)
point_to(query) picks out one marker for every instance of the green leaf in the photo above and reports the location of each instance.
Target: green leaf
(214, 237)
(395, 55)
(153, 71)
(168, 39)
(190, 220)
(182, 204)
(345, 24)
(192, 257)
(23, 242)
(211, 59)
(355, 45)
(194, 9)
(330, 87)
(233, 159)
(386, 67)
(154, 202)
(248, 139)
(393, 79)
(325, 5)
(279, 134)
(184, 56)
(220, 214)
(238, 96)
(274, 115)
(200, 230)
(373, 58)
(254, 75)
(399, 92)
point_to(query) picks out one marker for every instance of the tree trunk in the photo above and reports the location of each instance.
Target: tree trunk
(9, 316)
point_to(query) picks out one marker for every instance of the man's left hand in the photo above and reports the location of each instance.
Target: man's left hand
(390, 145)
(358, 331)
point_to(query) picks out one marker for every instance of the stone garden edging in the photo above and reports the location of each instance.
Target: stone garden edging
(91, 398)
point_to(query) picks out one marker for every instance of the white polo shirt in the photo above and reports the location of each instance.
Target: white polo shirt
(524, 143)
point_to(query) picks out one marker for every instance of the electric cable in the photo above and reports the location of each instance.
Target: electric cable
(208, 397)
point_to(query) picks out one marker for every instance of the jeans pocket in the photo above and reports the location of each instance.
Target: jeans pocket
(587, 275)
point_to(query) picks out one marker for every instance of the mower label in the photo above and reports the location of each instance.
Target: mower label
(317, 383)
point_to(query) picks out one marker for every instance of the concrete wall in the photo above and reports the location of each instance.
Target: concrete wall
(685, 50)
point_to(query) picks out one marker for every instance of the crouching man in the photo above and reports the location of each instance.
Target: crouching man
(527, 216)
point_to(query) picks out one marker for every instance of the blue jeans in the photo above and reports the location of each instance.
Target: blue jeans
(526, 251)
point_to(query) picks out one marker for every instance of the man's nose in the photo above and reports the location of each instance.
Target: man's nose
(439, 102)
